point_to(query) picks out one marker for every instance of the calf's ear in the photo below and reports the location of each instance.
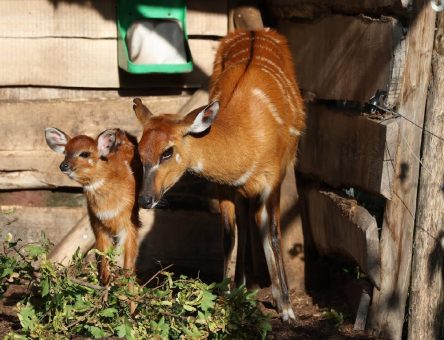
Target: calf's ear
(56, 139)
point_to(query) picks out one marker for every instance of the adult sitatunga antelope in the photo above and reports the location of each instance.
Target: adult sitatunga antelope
(244, 141)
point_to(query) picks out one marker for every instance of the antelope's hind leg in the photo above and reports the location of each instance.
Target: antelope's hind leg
(267, 217)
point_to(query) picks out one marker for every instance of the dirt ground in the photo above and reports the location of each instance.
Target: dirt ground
(312, 323)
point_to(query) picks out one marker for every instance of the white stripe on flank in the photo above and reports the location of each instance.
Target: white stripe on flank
(245, 177)
(288, 84)
(294, 131)
(94, 185)
(272, 74)
(244, 50)
(263, 97)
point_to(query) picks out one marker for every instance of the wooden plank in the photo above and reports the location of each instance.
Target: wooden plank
(91, 117)
(77, 62)
(191, 240)
(340, 227)
(27, 223)
(426, 294)
(388, 307)
(329, 55)
(291, 233)
(51, 93)
(317, 8)
(25, 159)
(343, 149)
(207, 17)
(93, 19)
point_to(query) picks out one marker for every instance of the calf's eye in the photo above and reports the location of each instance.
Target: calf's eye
(85, 154)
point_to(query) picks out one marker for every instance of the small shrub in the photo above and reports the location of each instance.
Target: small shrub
(67, 301)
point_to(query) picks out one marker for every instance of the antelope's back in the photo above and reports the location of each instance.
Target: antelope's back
(258, 64)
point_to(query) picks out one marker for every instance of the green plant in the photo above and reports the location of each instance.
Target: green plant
(336, 317)
(66, 301)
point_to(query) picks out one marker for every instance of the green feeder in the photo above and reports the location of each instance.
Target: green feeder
(152, 36)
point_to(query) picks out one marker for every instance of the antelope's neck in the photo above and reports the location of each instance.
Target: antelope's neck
(215, 156)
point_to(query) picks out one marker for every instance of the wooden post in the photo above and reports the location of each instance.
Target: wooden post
(427, 292)
(387, 313)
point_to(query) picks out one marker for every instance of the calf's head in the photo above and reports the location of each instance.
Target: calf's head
(82, 153)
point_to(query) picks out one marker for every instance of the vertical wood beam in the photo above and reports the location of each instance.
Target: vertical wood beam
(427, 292)
(388, 308)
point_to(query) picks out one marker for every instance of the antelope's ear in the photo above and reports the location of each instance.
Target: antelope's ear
(56, 139)
(204, 118)
(106, 142)
(141, 111)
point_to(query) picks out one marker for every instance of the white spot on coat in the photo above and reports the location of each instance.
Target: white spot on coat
(109, 214)
(198, 167)
(245, 177)
(294, 131)
(178, 158)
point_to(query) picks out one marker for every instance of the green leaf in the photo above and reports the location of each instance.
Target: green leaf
(27, 318)
(125, 330)
(189, 308)
(96, 332)
(44, 285)
(35, 250)
(207, 301)
(108, 312)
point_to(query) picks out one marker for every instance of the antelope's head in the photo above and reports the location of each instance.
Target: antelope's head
(165, 148)
(83, 153)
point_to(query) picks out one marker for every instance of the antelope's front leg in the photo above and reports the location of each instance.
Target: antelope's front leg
(130, 247)
(103, 244)
(267, 217)
(228, 215)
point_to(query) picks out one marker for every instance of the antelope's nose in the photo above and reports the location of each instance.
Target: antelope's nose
(145, 201)
(64, 166)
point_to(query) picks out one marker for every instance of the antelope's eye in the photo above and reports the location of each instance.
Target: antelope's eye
(166, 154)
(85, 154)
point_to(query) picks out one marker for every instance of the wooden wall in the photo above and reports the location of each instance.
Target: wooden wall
(59, 68)
(350, 157)
(74, 44)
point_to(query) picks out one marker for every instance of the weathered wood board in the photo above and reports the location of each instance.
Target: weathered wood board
(93, 19)
(79, 62)
(345, 58)
(306, 9)
(74, 44)
(191, 240)
(387, 313)
(427, 291)
(341, 227)
(25, 159)
(28, 223)
(348, 150)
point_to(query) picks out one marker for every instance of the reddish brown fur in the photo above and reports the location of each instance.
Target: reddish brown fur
(117, 195)
(248, 147)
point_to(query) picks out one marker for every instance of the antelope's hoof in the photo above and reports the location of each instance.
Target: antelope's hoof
(288, 316)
